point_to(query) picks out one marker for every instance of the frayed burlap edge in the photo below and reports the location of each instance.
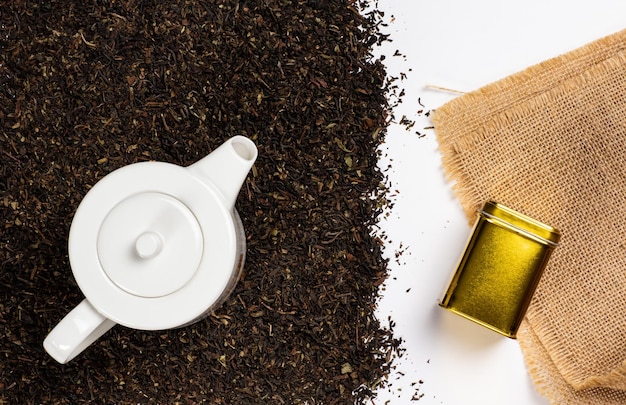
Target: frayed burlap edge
(461, 115)
(549, 382)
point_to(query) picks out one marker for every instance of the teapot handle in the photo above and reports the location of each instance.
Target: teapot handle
(81, 327)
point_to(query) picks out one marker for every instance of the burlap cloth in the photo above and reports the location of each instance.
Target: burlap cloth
(550, 142)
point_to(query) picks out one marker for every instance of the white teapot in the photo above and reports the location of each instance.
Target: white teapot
(155, 246)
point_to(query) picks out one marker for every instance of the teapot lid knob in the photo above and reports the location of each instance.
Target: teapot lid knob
(148, 245)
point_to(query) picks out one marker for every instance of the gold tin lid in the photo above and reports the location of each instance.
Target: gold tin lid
(521, 223)
(500, 268)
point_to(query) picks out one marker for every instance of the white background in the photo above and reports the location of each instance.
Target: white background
(461, 45)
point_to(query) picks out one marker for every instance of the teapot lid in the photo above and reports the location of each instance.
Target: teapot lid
(152, 246)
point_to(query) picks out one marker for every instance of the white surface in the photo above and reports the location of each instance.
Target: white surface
(460, 45)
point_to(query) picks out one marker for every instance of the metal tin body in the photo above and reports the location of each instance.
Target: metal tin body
(500, 268)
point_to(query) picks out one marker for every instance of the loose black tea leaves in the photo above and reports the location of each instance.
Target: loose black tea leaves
(88, 87)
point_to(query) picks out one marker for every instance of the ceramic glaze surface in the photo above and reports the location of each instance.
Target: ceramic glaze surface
(144, 238)
(155, 246)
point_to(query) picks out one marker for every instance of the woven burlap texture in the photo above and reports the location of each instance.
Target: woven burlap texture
(550, 142)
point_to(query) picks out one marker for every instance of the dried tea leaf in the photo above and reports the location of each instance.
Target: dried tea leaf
(88, 87)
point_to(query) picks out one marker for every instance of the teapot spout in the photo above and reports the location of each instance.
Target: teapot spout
(227, 166)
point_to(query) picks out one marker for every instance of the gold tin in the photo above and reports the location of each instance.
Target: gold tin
(500, 268)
